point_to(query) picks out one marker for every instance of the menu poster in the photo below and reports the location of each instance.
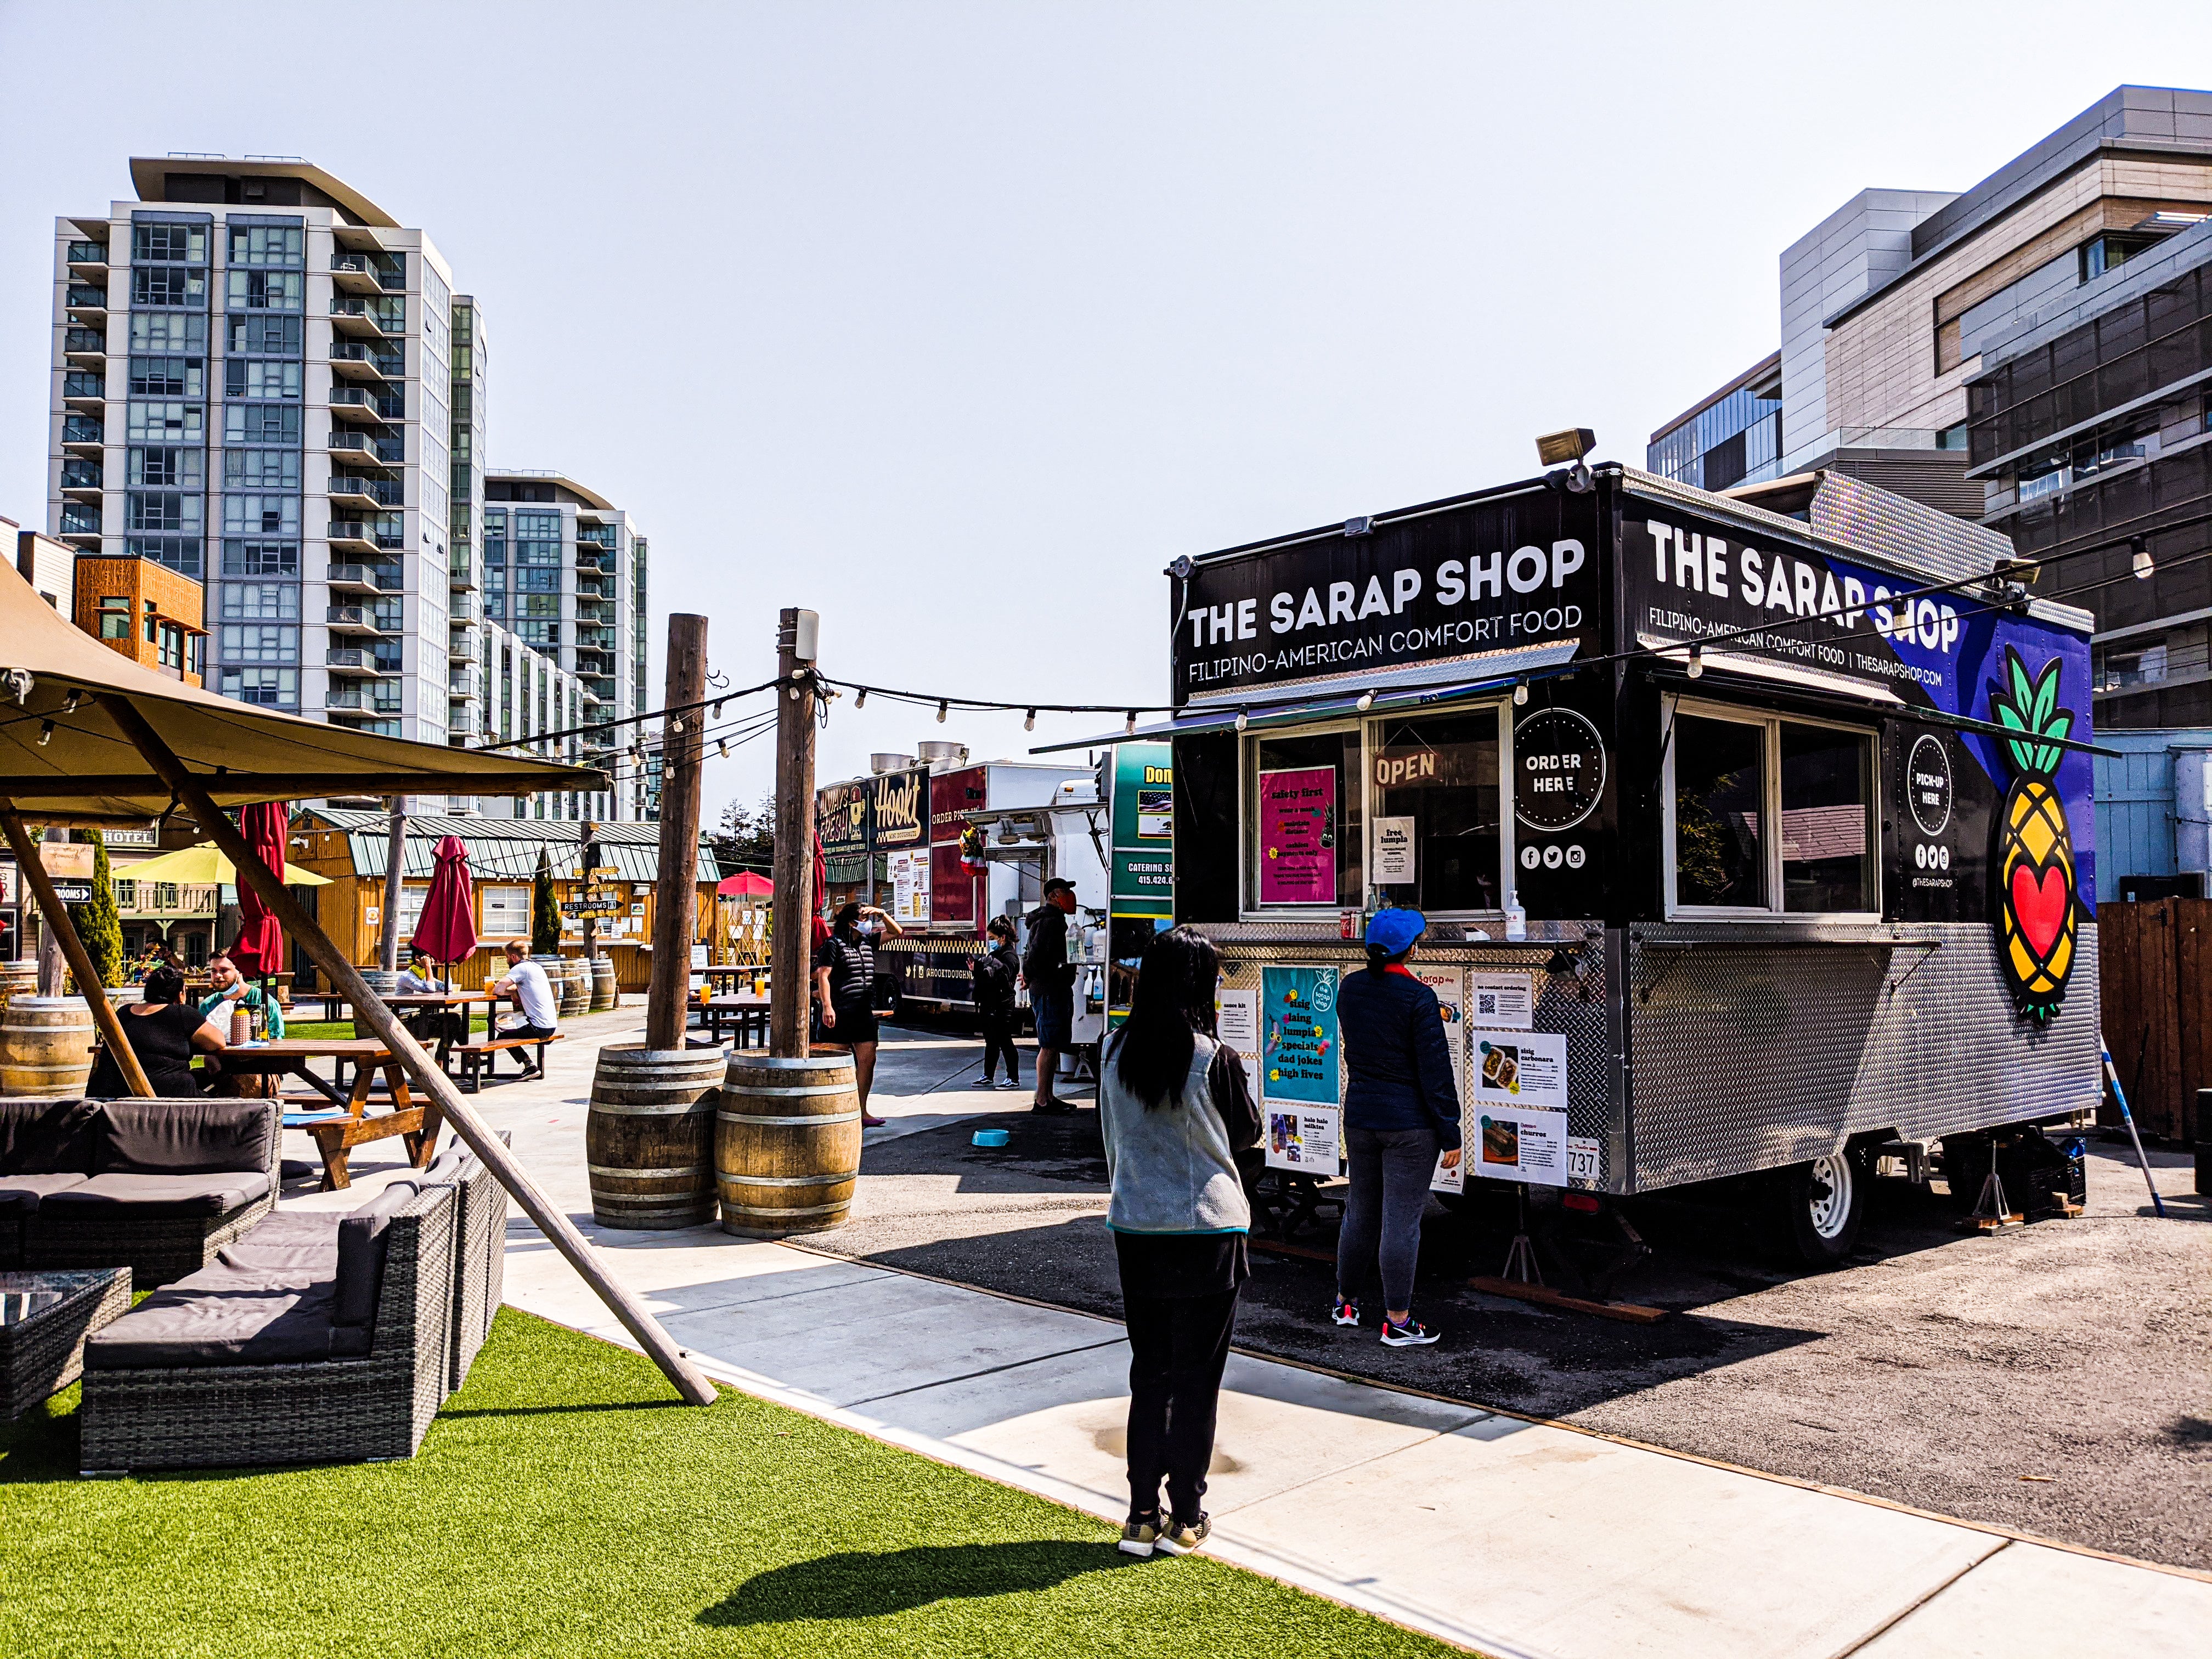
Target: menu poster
(1298, 1050)
(1504, 1002)
(909, 872)
(1237, 1023)
(1520, 1068)
(1516, 1143)
(1449, 985)
(1304, 1138)
(1453, 1179)
(1392, 861)
(1298, 835)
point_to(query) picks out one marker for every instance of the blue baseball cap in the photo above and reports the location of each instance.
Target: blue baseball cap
(1392, 930)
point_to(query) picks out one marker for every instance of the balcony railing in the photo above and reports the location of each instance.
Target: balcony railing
(372, 578)
(350, 660)
(84, 383)
(78, 474)
(80, 520)
(464, 681)
(164, 898)
(375, 535)
(85, 343)
(391, 364)
(83, 296)
(81, 429)
(357, 314)
(360, 445)
(385, 492)
(87, 254)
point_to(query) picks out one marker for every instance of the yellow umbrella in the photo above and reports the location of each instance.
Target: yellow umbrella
(204, 866)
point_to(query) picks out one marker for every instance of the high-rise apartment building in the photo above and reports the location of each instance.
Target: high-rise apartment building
(264, 381)
(1886, 306)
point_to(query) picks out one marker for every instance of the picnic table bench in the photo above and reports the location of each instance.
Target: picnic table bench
(478, 1054)
(338, 1121)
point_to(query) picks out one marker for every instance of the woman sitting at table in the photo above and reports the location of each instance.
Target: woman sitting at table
(229, 988)
(163, 1030)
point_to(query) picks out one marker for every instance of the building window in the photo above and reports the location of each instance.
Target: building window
(262, 469)
(260, 559)
(268, 245)
(196, 654)
(1305, 850)
(254, 377)
(158, 332)
(260, 423)
(277, 600)
(166, 467)
(168, 285)
(266, 515)
(539, 636)
(1443, 773)
(164, 422)
(182, 244)
(273, 688)
(266, 291)
(267, 337)
(172, 646)
(265, 643)
(165, 377)
(127, 894)
(1732, 779)
(179, 553)
(161, 509)
(114, 617)
(505, 913)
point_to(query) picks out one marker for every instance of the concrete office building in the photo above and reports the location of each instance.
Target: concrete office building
(264, 381)
(1886, 306)
(48, 565)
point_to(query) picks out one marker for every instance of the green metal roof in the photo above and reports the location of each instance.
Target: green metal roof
(503, 849)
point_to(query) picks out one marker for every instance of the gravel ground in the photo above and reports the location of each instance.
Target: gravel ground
(2052, 1379)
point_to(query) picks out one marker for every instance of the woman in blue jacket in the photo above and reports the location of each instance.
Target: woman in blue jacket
(1401, 1110)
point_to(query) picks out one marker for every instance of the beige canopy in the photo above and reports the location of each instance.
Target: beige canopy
(62, 758)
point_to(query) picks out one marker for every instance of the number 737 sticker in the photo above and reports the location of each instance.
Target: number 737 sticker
(1581, 1157)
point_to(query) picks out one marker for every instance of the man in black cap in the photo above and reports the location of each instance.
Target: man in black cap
(1051, 979)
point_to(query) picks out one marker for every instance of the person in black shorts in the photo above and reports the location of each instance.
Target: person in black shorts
(845, 984)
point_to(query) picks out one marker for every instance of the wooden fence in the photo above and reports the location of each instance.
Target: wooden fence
(2155, 981)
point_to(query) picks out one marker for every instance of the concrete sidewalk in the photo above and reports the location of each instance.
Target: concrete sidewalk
(1505, 1535)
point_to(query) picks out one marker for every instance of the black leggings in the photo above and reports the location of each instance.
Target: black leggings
(999, 1039)
(1177, 1348)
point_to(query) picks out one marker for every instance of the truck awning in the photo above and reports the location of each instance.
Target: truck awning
(1407, 688)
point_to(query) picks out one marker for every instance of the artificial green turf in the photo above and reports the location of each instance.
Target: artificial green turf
(318, 1030)
(563, 1503)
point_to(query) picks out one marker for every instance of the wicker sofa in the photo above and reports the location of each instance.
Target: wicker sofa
(318, 1337)
(157, 1186)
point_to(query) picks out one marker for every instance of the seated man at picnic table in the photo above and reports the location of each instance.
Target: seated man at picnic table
(437, 1024)
(540, 1015)
(229, 988)
(418, 980)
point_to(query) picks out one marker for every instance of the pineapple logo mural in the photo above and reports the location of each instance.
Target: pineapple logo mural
(2036, 878)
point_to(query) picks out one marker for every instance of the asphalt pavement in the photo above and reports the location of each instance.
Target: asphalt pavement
(2051, 1379)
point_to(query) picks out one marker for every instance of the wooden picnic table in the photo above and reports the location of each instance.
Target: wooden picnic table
(748, 1013)
(345, 1122)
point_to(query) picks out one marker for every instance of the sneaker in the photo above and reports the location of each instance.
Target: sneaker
(1411, 1334)
(1011, 1083)
(1139, 1533)
(1054, 1109)
(1182, 1537)
(1347, 1313)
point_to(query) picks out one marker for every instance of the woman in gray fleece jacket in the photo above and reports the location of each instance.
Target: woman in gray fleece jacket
(1175, 1109)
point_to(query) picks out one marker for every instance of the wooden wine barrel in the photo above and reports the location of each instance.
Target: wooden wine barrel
(17, 979)
(572, 991)
(602, 983)
(45, 1046)
(786, 1144)
(649, 1137)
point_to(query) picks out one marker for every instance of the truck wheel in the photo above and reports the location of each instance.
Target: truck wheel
(1821, 1205)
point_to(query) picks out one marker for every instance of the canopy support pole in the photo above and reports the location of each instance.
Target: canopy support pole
(370, 1011)
(79, 960)
(395, 859)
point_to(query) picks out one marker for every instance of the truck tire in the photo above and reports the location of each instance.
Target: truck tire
(1819, 1208)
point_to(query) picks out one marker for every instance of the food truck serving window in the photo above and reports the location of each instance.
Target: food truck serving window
(1305, 791)
(1732, 779)
(1441, 772)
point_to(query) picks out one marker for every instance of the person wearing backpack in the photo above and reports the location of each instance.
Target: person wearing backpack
(995, 972)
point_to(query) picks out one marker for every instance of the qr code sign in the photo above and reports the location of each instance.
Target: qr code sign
(1486, 1002)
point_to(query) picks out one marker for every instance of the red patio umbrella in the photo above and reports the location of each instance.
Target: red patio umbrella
(448, 931)
(259, 947)
(821, 889)
(744, 884)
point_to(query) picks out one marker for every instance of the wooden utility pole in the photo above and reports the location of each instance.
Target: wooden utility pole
(587, 856)
(61, 928)
(395, 861)
(51, 966)
(676, 904)
(369, 1009)
(791, 945)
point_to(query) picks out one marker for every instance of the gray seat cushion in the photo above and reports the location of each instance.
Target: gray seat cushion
(212, 1194)
(227, 1317)
(298, 1241)
(361, 1251)
(28, 1189)
(42, 1137)
(183, 1137)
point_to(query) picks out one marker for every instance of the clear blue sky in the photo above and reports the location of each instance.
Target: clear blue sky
(956, 323)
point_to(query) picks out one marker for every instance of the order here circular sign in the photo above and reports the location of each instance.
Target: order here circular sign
(1559, 769)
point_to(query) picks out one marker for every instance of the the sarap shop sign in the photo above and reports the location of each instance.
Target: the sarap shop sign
(1518, 570)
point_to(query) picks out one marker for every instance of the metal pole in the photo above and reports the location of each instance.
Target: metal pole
(2113, 1075)
(370, 1009)
(395, 860)
(56, 917)
(791, 925)
(676, 899)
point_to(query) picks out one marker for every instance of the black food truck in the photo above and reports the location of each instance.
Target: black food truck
(1754, 831)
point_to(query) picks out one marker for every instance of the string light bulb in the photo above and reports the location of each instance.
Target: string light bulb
(941, 707)
(2141, 561)
(1366, 701)
(1129, 727)
(1029, 724)
(1697, 661)
(1242, 720)
(722, 747)
(861, 701)
(69, 702)
(1520, 691)
(46, 732)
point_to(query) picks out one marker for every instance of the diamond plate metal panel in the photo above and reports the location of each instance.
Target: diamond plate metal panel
(1577, 1005)
(1747, 1055)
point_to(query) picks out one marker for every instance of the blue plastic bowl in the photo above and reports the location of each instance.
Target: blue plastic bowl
(991, 1137)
